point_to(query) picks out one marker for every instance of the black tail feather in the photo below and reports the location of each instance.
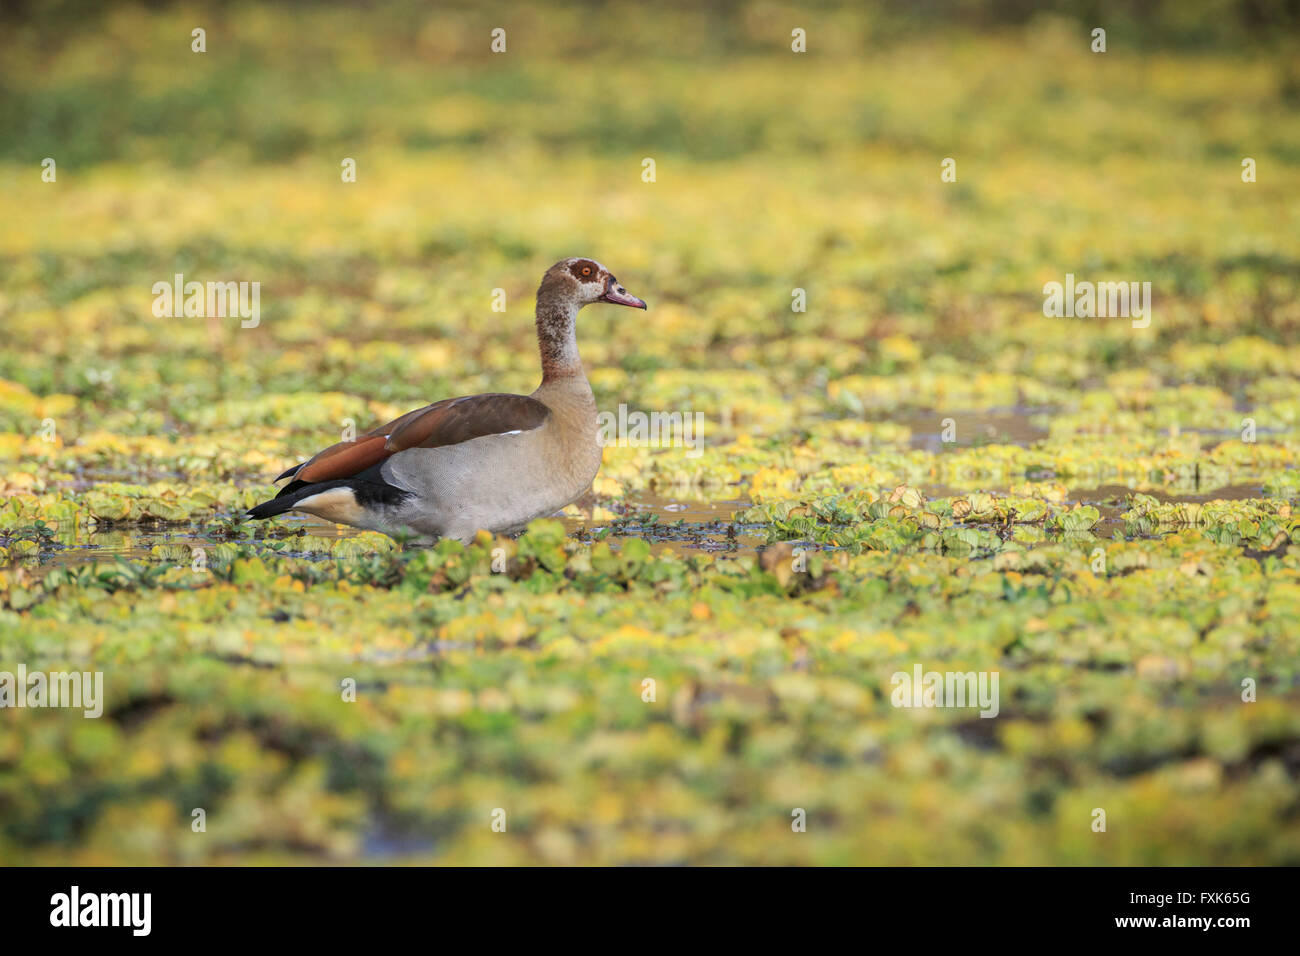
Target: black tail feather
(269, 509)
(368, 493)
(290, 495)
(291, 487)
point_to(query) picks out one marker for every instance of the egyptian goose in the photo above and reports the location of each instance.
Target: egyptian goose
(491, 462)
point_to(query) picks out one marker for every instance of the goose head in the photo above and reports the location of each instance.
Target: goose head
(582, 282)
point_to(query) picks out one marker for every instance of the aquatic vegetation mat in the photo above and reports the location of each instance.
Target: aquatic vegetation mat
(719, 655)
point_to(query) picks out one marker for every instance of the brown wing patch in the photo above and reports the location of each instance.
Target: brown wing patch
(306, 471)
(388, 428)
(448, 422)
(463, 419)
(344, 459)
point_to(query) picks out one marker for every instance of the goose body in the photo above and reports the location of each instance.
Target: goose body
(489, 462)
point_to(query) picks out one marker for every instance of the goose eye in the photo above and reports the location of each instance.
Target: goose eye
(586, 270)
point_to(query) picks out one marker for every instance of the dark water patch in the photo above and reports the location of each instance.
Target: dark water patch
(1019, 425)
(390, 839)
(668, 522)
(1120, 493)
